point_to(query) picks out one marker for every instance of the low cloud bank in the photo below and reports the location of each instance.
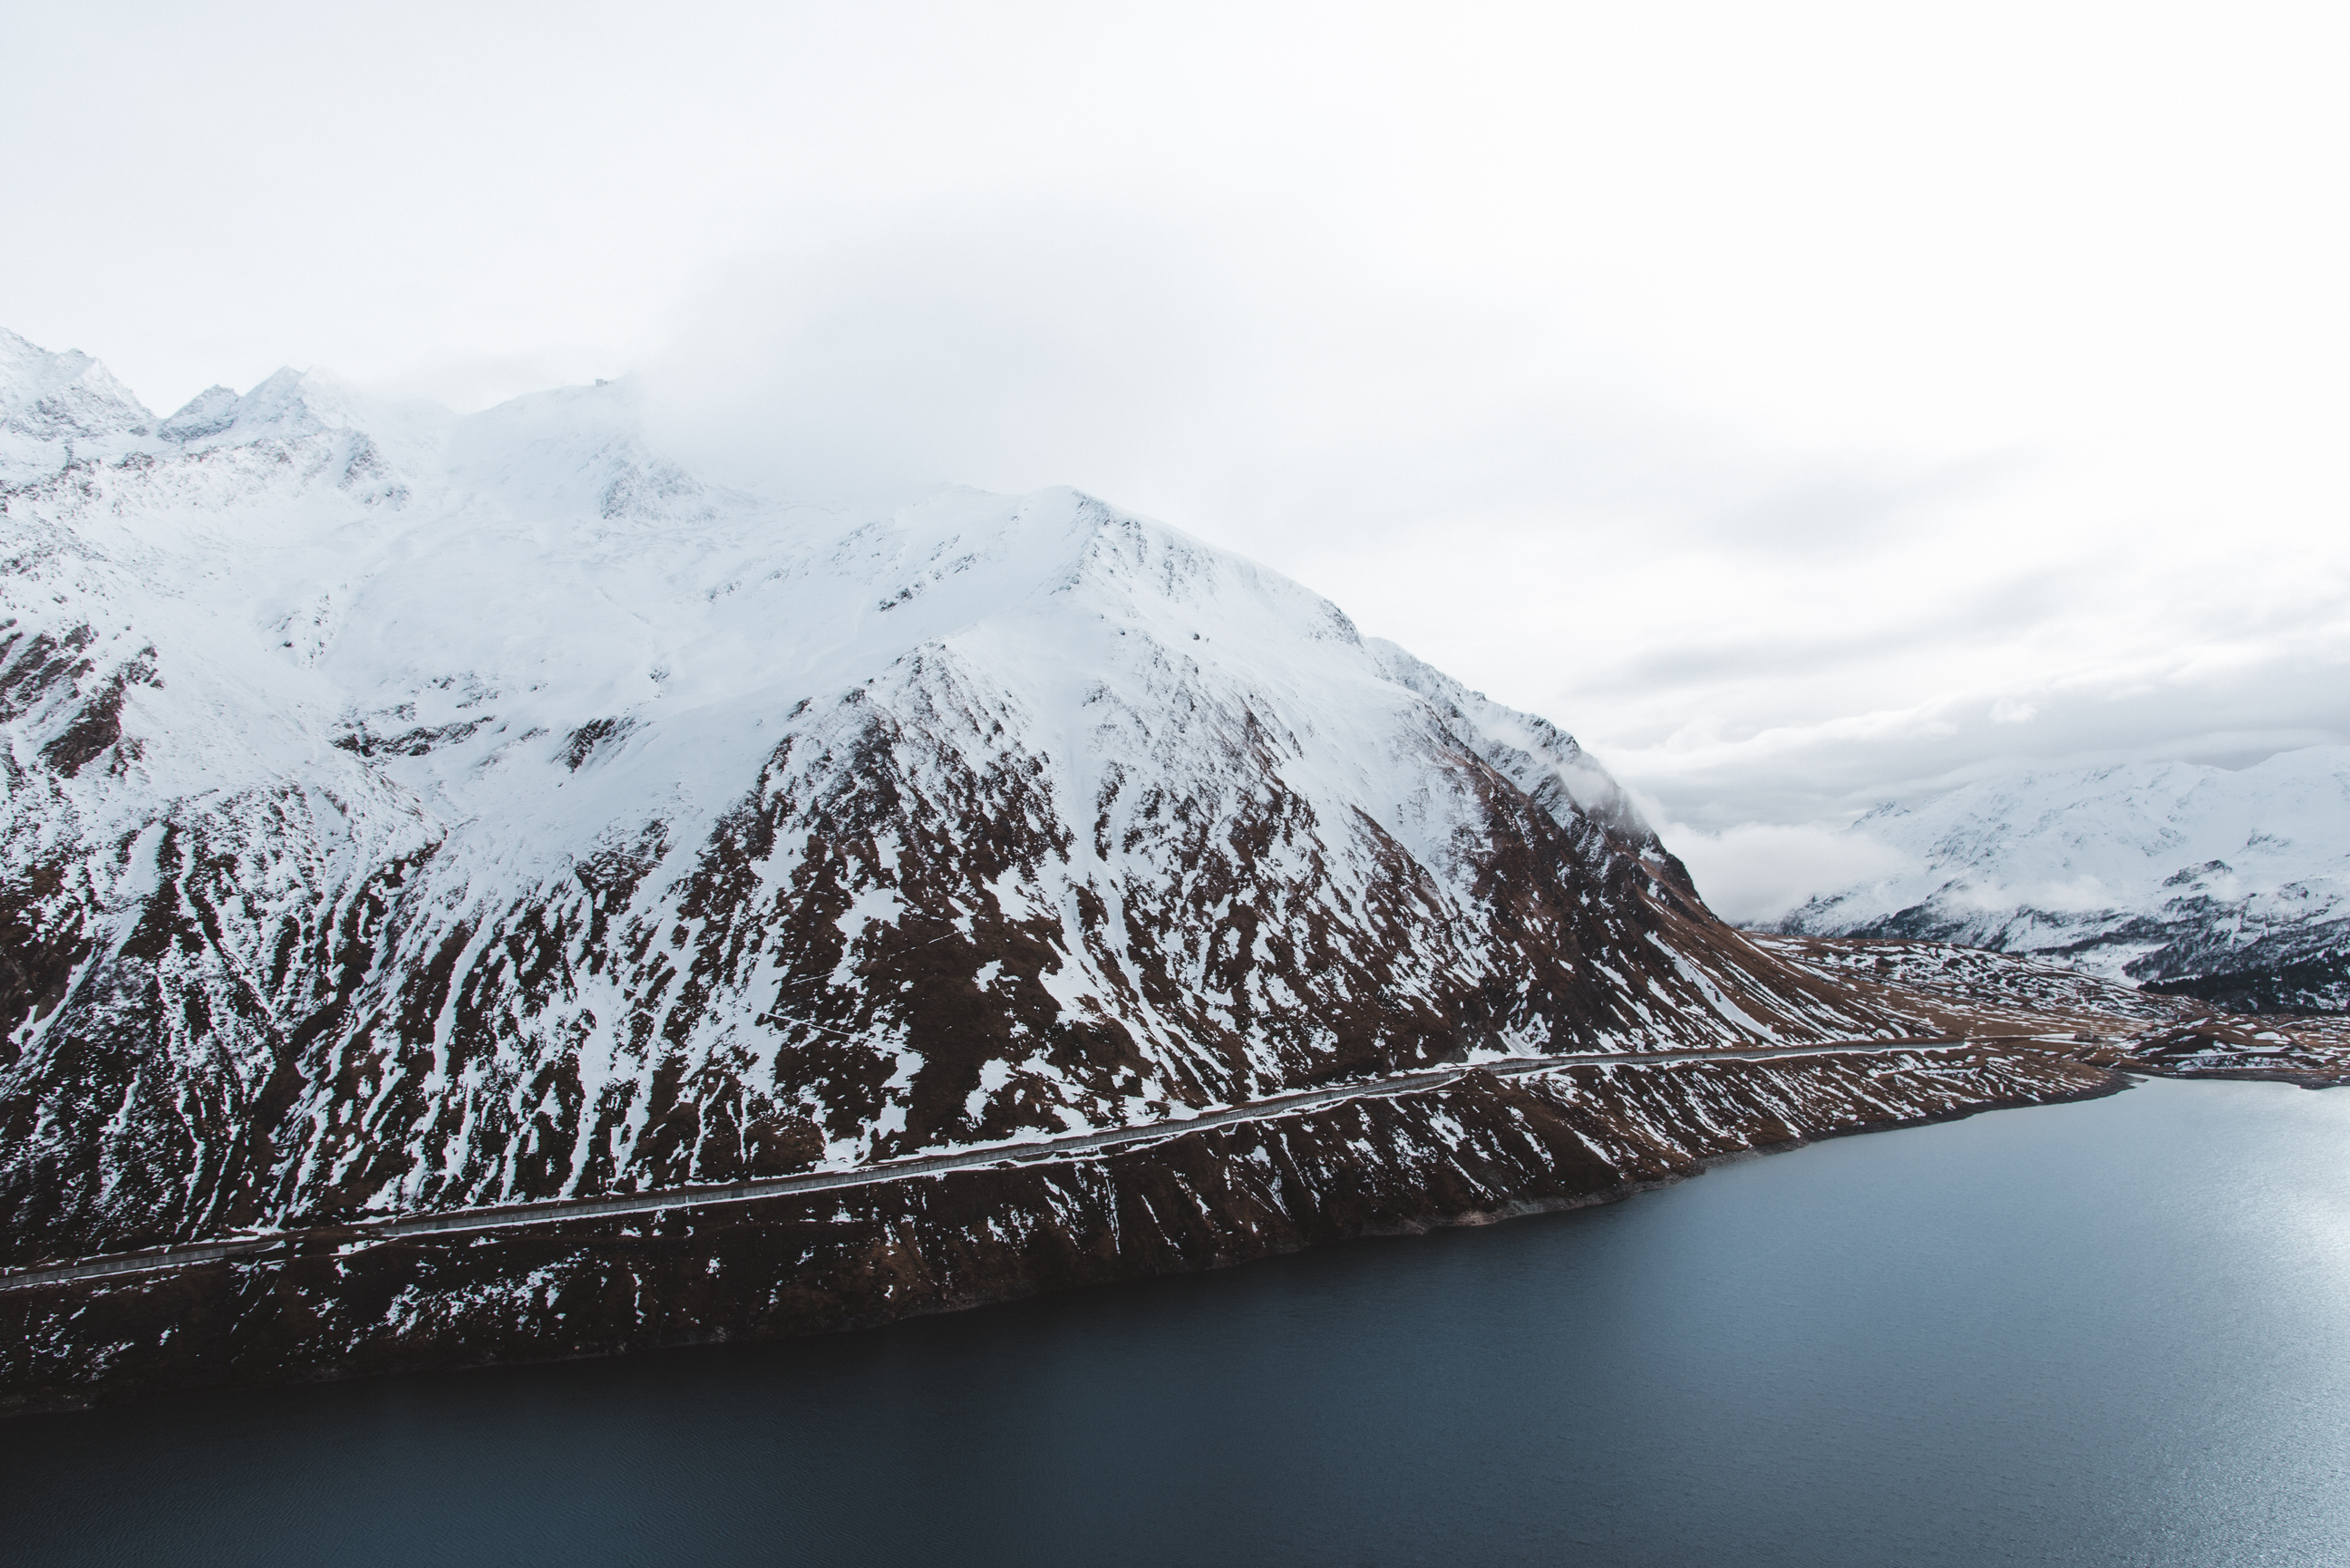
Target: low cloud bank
(1755, 873)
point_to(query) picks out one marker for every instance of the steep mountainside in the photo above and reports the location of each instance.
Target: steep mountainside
(2232, 886)
(407, 812)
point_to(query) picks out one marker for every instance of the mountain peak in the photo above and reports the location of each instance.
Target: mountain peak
(208, 413)
(50, 402)
(287, 403)
(579, 452)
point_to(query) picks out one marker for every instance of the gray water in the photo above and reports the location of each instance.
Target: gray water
(2109, 1333)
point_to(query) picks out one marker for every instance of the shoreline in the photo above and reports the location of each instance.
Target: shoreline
(1477, 1149)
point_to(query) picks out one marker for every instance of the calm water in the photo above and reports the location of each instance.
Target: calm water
(2114, 1333)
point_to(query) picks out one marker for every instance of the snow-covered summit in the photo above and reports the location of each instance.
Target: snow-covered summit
(419, 590)
(52, 404)
(2235, 881)
(288, 404)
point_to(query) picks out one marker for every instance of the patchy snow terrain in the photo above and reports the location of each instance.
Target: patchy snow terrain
(2230, 886)
(407, 810)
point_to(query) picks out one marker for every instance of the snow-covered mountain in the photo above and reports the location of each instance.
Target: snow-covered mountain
(411, 811)
(2231, 886)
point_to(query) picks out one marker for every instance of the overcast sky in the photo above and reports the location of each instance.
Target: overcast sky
(1806, 405)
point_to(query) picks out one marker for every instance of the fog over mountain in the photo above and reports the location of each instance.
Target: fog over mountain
(1823, 407)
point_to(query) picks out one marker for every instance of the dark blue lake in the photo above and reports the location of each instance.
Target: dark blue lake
(2110, 1332)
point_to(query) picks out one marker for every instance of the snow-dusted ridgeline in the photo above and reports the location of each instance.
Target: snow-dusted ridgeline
(2228, 884)
(406, 810)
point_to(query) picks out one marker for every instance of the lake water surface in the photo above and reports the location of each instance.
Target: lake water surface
(2109, 1333)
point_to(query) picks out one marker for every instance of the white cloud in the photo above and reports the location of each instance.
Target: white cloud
(2076, 895)
(1755, 872)
(1806, 405)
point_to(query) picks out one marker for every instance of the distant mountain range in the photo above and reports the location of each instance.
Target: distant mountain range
(2232, 887)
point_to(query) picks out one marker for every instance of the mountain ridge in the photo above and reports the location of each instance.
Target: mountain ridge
(2229, 884)
(416, 810)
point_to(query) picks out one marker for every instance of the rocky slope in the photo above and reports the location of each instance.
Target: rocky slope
(407, 812)
(2232, 887)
